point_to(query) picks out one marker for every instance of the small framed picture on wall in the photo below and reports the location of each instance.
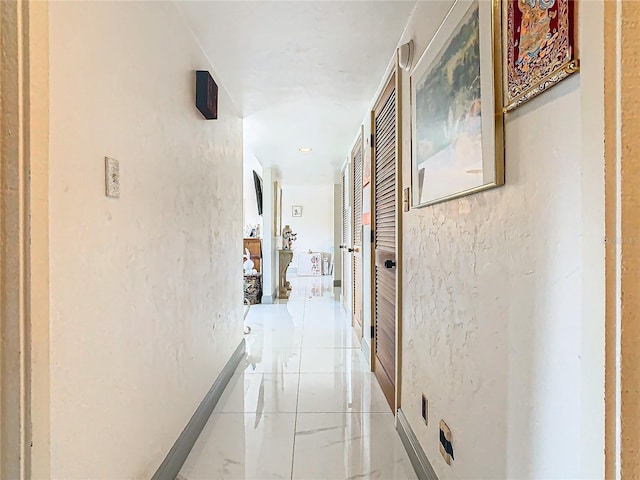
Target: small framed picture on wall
(296, 211)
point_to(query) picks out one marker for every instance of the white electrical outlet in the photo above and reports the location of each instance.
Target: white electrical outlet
(112, 177)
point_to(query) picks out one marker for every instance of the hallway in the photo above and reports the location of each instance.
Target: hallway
(303, 404)
(474, 192)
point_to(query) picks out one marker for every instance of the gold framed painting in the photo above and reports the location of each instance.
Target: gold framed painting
(456, 107)
(539, 47)
(277, 208)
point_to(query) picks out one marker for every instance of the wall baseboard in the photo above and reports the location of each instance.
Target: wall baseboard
(365, 348)
(178, 454)
(268, 299)
(419, 460)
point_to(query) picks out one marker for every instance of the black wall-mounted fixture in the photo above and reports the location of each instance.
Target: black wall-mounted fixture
(257, 181)
(206, 95)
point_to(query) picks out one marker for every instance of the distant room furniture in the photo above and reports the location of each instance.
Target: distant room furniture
(255, 250)
(284, 259)
(253, 288)
(326, 263)
(313, 264)
(253, 282)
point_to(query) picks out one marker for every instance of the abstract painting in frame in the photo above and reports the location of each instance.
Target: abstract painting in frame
(456, 107)
(539, 47)
(277, 208)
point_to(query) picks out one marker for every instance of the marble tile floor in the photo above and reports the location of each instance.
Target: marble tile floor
(303, 404)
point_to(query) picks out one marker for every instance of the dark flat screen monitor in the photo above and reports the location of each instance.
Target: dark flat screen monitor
(258, 184)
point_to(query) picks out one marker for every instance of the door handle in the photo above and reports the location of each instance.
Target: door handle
(350, 249)
(389, 264)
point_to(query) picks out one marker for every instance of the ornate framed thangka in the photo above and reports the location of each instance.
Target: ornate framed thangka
(538, 47)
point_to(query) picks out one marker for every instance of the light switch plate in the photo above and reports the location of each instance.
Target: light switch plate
(112, 177)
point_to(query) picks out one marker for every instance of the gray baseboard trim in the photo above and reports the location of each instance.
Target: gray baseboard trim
(176, 457)
(337, 283)
(365, 348)
(271, 298)
(419, 460)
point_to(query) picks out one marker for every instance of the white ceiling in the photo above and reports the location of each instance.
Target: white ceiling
(302, 73)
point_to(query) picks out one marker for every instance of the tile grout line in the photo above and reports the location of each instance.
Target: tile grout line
(295, 423)
(295, 429)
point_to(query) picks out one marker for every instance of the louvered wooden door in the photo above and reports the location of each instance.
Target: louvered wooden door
(385, 130)
(356, 235)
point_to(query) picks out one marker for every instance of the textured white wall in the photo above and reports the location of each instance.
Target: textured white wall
(145, 310)
(315, 227)
(592, 357)
(494, 324)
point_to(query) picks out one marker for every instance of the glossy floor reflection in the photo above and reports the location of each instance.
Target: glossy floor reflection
(303, 404)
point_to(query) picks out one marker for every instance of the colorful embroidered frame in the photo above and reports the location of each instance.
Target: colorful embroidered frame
(539, 47)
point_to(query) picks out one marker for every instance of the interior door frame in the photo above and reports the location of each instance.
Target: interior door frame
(345, 234)
(358, 144)
(24, 253)
(394, 79)
(622, 245)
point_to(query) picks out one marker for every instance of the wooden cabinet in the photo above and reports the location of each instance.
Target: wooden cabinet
(255, 250)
